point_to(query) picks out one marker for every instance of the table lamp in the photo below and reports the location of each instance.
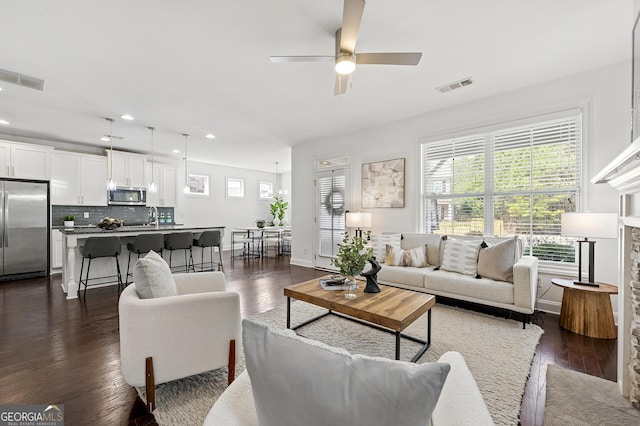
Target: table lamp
(588, 225)
(358, 220)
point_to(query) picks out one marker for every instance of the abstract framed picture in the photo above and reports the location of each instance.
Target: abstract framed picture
(383, 184)
(197, 185)
(265, 190)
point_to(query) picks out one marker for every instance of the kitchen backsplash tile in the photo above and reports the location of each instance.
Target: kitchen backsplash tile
(132, 215)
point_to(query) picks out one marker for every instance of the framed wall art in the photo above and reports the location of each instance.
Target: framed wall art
(197, 185)
(265, 190)
(383, 184)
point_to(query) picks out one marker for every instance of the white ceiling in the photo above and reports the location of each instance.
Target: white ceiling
(203, 66)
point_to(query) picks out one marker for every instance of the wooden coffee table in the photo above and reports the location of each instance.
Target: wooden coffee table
(392, 310)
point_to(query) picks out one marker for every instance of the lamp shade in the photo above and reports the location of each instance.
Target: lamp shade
(358, 220)
(589, 225)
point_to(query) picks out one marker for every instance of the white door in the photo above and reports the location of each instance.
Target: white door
(332, 202)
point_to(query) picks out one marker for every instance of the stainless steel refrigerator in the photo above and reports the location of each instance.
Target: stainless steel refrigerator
(24, 232)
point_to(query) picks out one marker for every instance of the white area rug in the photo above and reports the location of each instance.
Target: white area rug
(499, 353)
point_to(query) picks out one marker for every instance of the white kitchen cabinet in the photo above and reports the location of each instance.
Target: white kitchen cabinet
(78, 179)
(128, 169)
(56, 248)
(165, 180)
(25, 161)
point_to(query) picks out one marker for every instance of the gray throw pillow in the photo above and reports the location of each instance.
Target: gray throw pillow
(152, 277)
(297, 381)
(496, 260)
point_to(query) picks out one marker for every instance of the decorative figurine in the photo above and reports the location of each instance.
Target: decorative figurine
(372, 276)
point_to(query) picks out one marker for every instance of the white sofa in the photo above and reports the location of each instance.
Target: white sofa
(519, 296)
(460, 401)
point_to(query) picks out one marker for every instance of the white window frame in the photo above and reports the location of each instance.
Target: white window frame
(582, 195)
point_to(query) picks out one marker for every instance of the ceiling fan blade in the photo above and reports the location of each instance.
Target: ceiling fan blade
(342, 80)
(407, 58)
(351, 17)
(281, 59)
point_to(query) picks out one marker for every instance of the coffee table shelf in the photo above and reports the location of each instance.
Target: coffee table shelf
(392, 310)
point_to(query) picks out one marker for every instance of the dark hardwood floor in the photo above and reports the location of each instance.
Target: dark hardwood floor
(67, 352)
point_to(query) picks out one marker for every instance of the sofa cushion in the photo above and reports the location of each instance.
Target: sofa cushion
(394, 256)
(451, 284)
(297, 381)
(461, 256)
(432, 241)
(410, 276)
(496, 260)
(379, 243)
(153, 277)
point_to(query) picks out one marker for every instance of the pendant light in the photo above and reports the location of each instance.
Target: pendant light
(279, 191)
(111, 183)
(152, 185)
(186, 176)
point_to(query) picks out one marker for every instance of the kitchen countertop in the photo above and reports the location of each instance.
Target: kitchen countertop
(139, 228)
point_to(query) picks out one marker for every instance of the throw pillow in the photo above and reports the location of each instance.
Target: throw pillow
(379, 243)
(496, 260)
(461, 256)
(298, 381)
(394, 256)
(152, 277)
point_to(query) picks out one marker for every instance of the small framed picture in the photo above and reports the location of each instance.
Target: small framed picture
(265, 190)
(235, 187)
(197, 185)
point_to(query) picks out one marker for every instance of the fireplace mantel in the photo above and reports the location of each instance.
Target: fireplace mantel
(623, 173)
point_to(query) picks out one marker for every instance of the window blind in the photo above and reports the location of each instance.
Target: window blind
(511, 181)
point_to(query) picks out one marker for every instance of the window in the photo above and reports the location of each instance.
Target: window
(265, 190)
(235, 188)
(514, 181)
(331, 187)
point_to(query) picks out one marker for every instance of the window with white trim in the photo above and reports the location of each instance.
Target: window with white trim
(510, 181)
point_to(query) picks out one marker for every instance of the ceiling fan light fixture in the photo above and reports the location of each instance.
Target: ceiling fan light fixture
(345, 63)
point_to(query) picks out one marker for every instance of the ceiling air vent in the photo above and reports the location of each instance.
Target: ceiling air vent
(455, 85)
(21, 80)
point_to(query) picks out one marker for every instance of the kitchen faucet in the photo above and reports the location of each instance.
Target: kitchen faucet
(152, 212)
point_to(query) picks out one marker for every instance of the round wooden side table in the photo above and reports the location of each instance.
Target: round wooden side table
(587, 309)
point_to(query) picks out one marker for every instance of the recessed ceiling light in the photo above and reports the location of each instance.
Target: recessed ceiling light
(105, 139)
(4, 122)
(210, 136)
(128, 117)
(176, 151)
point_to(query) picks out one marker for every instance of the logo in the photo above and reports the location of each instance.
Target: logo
(32, 415)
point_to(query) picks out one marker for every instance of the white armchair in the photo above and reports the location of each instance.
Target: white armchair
(168, 338)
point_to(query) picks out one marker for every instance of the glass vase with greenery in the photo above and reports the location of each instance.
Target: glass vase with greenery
(353, 255)
(277, 209)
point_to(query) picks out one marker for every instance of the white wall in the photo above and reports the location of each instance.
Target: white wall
(217, 210)
(604, 93)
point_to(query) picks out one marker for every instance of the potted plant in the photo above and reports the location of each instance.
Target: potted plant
(278, 208)
(353, 255)
(68, 220)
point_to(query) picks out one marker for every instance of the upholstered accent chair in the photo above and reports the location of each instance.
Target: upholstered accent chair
(167, 338)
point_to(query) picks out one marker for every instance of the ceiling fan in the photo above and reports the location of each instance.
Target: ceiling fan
(345, 56)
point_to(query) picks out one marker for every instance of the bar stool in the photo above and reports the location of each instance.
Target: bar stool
(144, 243)
(95, 248)
(180, 241)
(209, 239)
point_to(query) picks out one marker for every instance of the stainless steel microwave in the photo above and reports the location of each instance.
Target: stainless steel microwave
(128, 197)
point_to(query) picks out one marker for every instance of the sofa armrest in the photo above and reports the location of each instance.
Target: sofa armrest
(202, 282)
(235, 407)
(460, 401)
(525, 282)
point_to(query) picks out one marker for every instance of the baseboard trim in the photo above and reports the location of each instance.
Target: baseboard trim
(301, 262)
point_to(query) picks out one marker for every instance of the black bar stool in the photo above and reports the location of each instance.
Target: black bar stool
(95, 248)
(180, 241)
(144, 243)
(210, 239)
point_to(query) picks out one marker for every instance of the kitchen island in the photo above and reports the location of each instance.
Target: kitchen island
(72, 238)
